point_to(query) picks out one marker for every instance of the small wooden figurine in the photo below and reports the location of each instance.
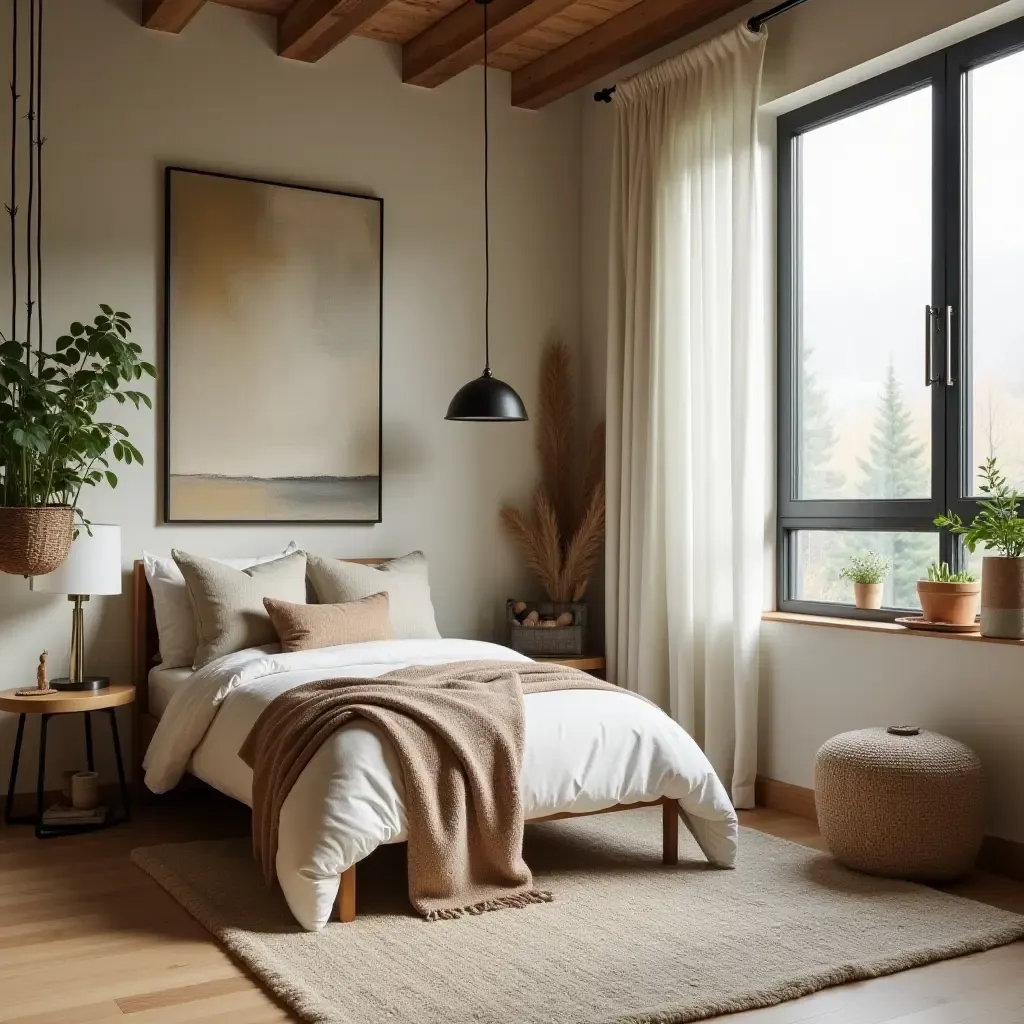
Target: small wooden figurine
(42, 683)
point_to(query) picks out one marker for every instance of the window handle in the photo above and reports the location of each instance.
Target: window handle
(930, 313)
(949, 346)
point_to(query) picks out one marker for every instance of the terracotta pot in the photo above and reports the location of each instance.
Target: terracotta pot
(1002, 597)
(35, 541)
(949, 602)
(868, 595)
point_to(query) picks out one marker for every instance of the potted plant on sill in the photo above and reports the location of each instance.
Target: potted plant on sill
(52, 443)
(867, 573)
(949, 596)
(999, 528)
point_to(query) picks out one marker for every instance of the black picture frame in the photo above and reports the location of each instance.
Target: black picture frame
(170, 171)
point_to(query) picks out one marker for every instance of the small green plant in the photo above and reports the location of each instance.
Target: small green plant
(998, 525)
(53, 440)
(868, 567)
(942, 574)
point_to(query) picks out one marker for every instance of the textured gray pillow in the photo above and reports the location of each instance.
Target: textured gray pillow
(228, 603)
(404, 580)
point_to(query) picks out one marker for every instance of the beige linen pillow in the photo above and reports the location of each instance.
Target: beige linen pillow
(228, 603)
(405, 580)
(306, 627)
(172, 607)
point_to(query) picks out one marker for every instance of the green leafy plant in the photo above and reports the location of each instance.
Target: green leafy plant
(942, 574)
(51, 442)
(998, 525)
(868, 567)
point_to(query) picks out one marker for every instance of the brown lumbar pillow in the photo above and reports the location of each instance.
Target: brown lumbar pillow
(306, 627)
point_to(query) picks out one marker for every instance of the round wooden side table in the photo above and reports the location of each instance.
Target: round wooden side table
(65, 702)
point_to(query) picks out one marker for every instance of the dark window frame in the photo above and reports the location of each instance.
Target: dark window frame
(952, 459)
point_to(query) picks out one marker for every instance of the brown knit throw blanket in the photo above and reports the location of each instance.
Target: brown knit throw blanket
(458, 731)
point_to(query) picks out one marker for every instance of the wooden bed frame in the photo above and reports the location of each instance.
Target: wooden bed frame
(145, 654)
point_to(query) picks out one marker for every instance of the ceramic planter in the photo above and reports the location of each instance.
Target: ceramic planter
(868, 595)
(1002, 597)
(956, 603)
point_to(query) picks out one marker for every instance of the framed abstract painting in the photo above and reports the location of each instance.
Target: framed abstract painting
(273, 341)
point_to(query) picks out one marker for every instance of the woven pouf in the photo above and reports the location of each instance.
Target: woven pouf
(900, 802)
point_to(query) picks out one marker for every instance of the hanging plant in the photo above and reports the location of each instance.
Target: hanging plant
(52, 443)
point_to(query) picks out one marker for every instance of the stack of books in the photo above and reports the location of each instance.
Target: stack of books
(64, 814)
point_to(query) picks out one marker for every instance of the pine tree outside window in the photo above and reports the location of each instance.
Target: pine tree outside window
(898, 196)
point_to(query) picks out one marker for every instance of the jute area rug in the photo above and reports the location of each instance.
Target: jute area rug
(626, 941)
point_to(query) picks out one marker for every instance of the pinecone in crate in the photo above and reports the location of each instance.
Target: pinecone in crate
(547, 628)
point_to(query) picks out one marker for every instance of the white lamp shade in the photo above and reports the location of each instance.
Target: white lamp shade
(93, 565)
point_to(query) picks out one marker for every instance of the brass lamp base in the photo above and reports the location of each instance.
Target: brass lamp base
(88, 683)
(78, 680)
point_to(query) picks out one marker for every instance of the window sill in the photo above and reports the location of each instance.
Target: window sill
(880, 627)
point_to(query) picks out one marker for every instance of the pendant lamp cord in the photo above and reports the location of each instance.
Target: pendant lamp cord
(487, 216)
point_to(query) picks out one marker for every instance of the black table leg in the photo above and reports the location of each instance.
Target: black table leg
(88, 742)
(125, 806)
(50, 831)
(13, 778)
(44, 721)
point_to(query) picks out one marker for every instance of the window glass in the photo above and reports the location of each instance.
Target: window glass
(995, 263)
(864, 279)
(822, 554)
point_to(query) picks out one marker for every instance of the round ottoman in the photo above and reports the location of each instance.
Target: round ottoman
(901, 802)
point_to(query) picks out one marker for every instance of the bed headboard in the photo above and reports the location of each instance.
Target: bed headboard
(145, 641)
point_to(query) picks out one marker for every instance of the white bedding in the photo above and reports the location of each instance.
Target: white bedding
(585, 750)
(163, 684)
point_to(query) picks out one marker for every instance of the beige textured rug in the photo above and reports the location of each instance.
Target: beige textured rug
(627, 941)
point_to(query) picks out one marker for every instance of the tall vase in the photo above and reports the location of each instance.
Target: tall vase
(1002, 597)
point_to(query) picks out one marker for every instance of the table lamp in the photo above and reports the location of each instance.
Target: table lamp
(93, 566)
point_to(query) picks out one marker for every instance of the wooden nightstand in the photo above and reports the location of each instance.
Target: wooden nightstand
(594, 665)
(64, 703)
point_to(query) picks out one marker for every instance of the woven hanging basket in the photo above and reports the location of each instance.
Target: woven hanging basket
(35, 541)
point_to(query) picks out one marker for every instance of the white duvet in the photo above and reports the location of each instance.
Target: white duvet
(585, 750)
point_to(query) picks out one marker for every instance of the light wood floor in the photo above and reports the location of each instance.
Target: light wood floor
(86, 937)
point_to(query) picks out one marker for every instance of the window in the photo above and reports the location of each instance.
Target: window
(901, 341)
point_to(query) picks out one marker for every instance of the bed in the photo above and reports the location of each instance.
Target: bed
(587, 752)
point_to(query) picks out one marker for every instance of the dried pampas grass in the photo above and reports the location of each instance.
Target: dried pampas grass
(561, 540)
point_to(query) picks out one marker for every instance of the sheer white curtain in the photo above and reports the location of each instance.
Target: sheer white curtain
(686, 382)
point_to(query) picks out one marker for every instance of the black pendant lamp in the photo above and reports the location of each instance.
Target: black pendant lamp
(486, 399)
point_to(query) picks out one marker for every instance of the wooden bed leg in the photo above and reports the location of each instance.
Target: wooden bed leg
(670, 831)
(347, 896)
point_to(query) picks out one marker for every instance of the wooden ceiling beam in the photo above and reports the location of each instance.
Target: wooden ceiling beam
(456, 42)
(169, 15)
(635, 33)
(312, 28)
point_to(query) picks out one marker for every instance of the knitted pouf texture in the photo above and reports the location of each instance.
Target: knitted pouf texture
(900, 802)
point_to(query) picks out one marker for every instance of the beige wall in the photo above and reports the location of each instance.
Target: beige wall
(817, 682)
(122, 102)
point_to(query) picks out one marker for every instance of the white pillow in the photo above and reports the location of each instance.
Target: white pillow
(404, 580)
(175, 620)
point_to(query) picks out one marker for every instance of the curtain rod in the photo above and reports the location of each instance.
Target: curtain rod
(755, 23)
